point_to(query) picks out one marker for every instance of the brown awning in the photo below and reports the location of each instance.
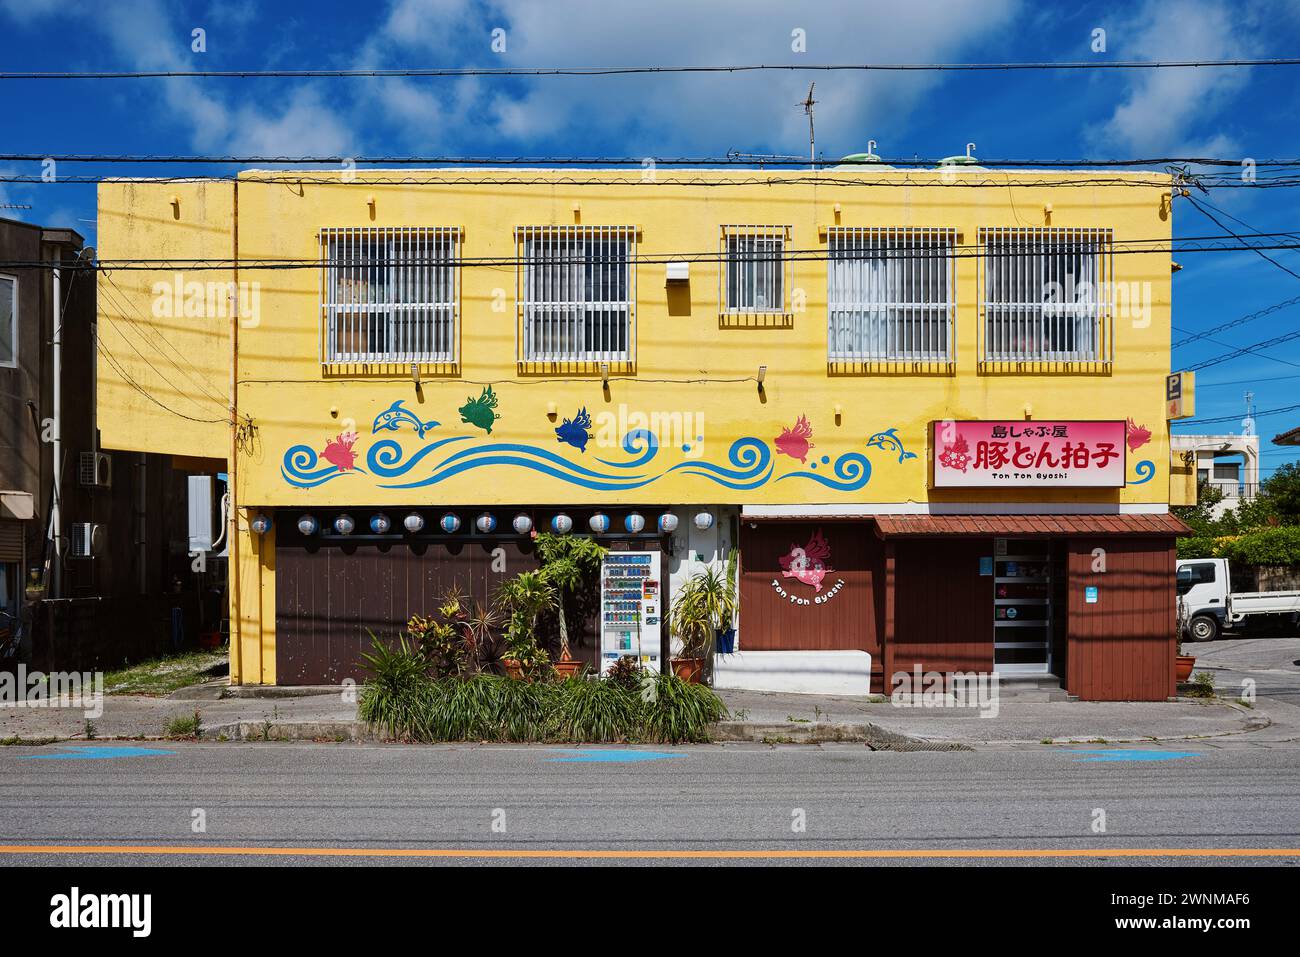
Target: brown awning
(1028, 526)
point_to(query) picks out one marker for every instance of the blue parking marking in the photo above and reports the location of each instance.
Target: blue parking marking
(1133, 754)
(98, 752)
(607, 755)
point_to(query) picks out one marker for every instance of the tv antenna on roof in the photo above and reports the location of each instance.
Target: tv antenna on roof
(808, 105)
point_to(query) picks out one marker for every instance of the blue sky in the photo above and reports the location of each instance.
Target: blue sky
(1238, 113)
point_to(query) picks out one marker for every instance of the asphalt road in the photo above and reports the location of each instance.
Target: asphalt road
(357, 804)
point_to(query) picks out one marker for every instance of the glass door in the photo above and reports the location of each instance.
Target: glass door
(1022, 606)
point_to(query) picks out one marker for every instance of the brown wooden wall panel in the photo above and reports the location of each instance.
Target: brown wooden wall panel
(1122, 647)
(327, 598)
(771, 622)
(943, 606)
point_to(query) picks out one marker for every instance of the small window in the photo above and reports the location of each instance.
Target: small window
(1046, 295)
(8, 321)
(390, 295)
(577, 286)
(754, 282)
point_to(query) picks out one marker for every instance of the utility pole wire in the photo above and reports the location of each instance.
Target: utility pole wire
(650, 70)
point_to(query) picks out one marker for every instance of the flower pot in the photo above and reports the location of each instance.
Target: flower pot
(690, 670)
(1183, 665)
(513, 668)
(568, 667)
(726, 640)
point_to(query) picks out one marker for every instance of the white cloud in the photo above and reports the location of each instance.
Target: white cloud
(1174, 110)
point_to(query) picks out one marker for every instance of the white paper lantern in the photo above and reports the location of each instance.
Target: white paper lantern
(703, 520)
(344, 524)
(486, 523)
(379, 523)
(522, 524)
(634, 522)
(308, 525)
(261, 524)
(668, 522)
(450, 522)
(599, 523)
(561, 524)
(413, 522)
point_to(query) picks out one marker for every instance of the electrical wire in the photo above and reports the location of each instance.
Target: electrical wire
(1210, 216)
(632, 70)
(1268, 310)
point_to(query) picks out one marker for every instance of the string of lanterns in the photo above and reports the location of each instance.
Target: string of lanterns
(486, 523)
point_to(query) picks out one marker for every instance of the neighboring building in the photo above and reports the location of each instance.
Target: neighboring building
(92, 557)
(931, 418)
(1228, 463)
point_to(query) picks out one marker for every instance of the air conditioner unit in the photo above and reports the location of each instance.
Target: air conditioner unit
(87, 539)
(96, 469)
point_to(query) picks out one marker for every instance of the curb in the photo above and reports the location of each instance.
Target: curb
(827, 732)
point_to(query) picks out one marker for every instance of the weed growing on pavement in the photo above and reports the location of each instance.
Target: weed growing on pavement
(185, 726)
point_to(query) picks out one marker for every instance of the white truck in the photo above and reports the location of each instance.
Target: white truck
(1207, 605)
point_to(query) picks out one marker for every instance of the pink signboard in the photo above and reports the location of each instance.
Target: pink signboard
(1029, 453)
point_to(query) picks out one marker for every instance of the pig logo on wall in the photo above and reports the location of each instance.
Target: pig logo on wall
(809, 564)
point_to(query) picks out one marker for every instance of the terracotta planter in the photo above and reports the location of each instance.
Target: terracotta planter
(568, 667)
(513, 668)
(1183, 665)
(689, 669)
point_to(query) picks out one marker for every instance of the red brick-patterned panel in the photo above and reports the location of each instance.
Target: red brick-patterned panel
(1121, 648)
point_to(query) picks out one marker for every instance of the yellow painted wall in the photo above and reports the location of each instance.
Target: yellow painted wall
(684, 357)
(163, 384)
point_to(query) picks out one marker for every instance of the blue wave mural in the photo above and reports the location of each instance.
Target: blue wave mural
(299, 468)
(748, 465)
(852, 472)
(1146, 470)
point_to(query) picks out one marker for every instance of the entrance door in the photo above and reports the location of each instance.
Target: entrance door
(1022, 606)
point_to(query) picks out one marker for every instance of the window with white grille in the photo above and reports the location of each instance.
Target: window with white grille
(390, 294)
(577, 286)
(890, 294)
(1046, 294)
(754, 280)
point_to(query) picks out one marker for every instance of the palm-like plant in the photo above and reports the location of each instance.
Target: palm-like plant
(566, 562)
(704, 604)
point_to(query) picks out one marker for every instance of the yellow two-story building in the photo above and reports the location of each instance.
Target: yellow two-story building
(927, 406)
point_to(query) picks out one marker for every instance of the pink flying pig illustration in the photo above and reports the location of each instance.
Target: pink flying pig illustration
(809, 564)
(1138, 436)
(797, 441)
(338, 452)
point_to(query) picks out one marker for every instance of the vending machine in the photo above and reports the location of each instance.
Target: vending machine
(631, 609)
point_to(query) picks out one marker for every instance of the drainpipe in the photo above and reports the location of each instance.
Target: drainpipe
(237, 664)
(56, 519)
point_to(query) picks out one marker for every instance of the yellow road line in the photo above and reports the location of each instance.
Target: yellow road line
(651, 853)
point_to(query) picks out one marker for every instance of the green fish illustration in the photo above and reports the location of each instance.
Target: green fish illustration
(479, 411)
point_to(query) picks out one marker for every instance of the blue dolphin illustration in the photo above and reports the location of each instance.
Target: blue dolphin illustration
(888, 441)
(393, 417)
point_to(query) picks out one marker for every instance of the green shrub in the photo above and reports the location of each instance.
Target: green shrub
(1198, 546)
(185, 726)
(1265, 546)
(413, 706)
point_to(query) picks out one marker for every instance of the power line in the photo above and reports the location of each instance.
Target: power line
(632, 70)
(1244, 350)
(731, 159)
(1277, 306)
(1218, 222)
(1239, 416)
(920, 251)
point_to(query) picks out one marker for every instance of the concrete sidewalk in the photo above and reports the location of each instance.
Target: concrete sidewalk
(325, 715)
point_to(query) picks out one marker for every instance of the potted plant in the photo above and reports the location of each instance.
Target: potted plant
(566, 564)
(525, 596)
(1183, 664)
(703, 605)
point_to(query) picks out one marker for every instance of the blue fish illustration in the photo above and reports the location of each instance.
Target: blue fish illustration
(888, 441)
(574, 432)
(396, 414)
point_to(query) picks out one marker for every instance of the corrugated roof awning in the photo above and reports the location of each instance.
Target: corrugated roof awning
(1028, 526)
